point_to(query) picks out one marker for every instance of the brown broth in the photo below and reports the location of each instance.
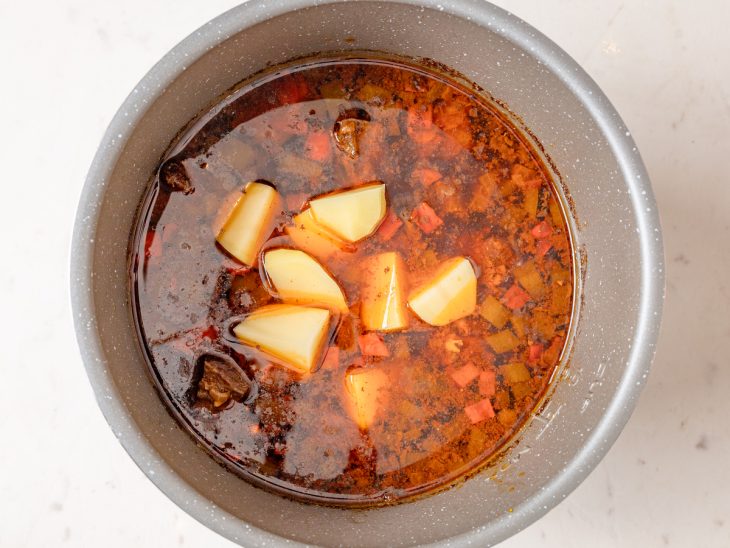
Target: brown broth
(429, 140)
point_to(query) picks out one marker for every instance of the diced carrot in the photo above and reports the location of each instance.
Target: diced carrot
(541, 230)
(515, 297)
(534, 352)
(152, 245)
(479, 411)
(210, 332)
(543, 246)
(318, 146)
(464, 375)
(372, 345)
(426, 219)
(425, 176)
(331, 358)
(487, 383)
(254, 428)
(389, 226)
(294, 202)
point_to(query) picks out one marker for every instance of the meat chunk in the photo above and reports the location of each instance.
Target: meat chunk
(174, 177)
(221, 381)
(348, 128)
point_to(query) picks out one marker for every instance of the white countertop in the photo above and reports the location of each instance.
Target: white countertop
(67, 65)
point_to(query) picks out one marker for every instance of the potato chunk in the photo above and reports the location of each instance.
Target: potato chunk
(353, 214)
(383, 306)
(311, 237)
(293, 334)
(366, 391)
(249, 222)
(299, 279)
(449, 295)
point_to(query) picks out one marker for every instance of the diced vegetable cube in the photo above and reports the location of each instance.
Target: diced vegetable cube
(352, 214)
(464, 375)
(426, 219)
(480, 411)
(542, 230)
(515, 297)
(542, 247)
(515, 372)
(383, 297)
(371, 344)
(521, 389)
(507, 417)
(250, 222)
(534, 351)
(494, 312)
(503, 341)
(449, 295)
(390, 226)
(293, 334)
(299, 279)
(529, 278)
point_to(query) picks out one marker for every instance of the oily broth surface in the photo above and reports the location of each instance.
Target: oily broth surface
(496, 202)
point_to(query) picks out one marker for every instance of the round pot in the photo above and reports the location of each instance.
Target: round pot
(615, 228)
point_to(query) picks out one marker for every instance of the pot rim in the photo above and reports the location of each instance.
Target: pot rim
(485, 14)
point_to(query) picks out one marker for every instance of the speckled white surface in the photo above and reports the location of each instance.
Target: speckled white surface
(663, 65)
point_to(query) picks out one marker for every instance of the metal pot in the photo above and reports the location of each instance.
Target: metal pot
(614, 220)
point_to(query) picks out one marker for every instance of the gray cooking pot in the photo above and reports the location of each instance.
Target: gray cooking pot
(616, 230)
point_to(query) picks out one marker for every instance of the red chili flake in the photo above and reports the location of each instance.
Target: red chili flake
(515, 297)
(541, 230)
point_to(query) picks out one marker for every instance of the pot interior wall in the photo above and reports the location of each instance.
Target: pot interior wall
(606, 234)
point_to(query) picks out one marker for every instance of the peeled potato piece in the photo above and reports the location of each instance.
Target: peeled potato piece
(249, 222)
(293, 334)
(299, 279)
(383, 306)
(366, 391)
(353, 214)
(311, 237)
(449, 295)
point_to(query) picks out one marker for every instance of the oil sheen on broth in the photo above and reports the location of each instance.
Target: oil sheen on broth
(384, 344)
